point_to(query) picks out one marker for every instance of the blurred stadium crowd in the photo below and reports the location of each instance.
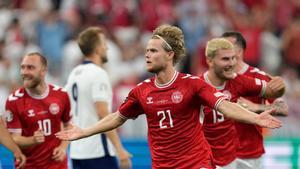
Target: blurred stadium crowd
(271, 28)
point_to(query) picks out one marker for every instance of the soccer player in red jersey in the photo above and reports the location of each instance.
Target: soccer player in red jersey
(171, 102)
(35, 112)
(218, 130)
(250, 136)
(8, 142)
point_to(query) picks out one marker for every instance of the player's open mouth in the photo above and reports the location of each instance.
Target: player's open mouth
(230, 69)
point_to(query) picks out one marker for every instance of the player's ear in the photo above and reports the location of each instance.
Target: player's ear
(209, 61)
(171, 55)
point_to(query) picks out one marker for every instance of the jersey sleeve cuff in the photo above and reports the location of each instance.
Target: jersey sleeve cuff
(125, 117)
(264, 87)
(218, 102)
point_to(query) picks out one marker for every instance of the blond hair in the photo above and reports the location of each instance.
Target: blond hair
(173, 39)
(216, 44)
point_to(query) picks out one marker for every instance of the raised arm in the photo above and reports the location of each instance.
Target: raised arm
(109, 122)
(236, 112)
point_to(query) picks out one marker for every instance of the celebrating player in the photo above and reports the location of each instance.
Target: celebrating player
(171, 102)
(35, 112)
(251, 146)
(219, 130)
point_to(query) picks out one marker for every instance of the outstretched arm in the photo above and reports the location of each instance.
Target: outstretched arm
(109, 122)
(279, 105)
(123, 155)
(8, 142)
(236, 112)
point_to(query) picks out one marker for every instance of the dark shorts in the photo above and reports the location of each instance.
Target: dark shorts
(106, 162)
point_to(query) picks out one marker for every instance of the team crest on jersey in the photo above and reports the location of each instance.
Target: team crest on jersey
(227, 94)
(54, 108)
(177, 97)
(8, 116)
(149, 100)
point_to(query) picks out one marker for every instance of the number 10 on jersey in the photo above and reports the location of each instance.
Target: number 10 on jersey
(165, 119)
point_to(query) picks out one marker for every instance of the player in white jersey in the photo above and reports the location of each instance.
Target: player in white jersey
(91, 99)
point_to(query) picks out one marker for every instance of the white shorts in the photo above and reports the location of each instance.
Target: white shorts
(232, 165)
(249, 163)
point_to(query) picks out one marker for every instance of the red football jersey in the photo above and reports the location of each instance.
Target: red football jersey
(175, 134)
(220, 131)
(25, 114)
(250, 136)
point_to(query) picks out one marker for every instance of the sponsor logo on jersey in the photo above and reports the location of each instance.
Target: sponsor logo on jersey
(42, 112)
(31, 113)
(8, 116)
(54, 108)
(149, 100)
(162, 101)
(177, 97)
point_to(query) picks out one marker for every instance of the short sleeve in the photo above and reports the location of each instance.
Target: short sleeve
(101, 88)
(12, 118)
(254, 87)
(66, 114)
(131, 107)
(208, 95)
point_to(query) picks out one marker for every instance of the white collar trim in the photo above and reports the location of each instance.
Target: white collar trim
(168, 83)
(244, 69)
(39, 97)
(221, 87)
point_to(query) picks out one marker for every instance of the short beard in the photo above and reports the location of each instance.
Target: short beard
(35, 82)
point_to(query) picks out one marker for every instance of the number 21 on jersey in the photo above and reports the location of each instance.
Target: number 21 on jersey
(165, 119)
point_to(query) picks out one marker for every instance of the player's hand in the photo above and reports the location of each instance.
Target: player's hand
(124, 158)
(59, 154)
(281, 107)
(20, 159)
(277, 84)
(265, 119)
(38, 136)
(73, 133)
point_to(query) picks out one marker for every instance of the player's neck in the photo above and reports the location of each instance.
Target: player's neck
(38, 90)
(165, 76)
(95, 59)
(240, 65)
(214, 79)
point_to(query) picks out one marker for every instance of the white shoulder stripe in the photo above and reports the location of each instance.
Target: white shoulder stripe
(12, 98)
(195, 77)
(56, 88)
(186, 76)
(257, 81)
(18, 94)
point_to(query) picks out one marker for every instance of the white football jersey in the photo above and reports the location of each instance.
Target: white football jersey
(87, 84)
